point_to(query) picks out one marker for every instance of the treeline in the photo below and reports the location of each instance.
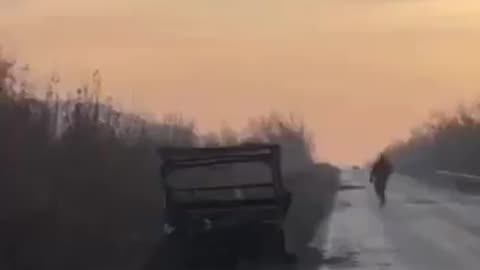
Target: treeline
(78, 178)
(445, 142)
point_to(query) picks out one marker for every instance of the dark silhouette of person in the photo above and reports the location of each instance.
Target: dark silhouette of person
(381, 171)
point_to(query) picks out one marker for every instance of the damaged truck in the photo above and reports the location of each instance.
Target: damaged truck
(224, 204)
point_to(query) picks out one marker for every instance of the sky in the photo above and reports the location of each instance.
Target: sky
(361, 73)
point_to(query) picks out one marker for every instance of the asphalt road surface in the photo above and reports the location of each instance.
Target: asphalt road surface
(419, 229)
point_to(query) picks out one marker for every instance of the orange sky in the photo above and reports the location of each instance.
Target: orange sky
(361, 73)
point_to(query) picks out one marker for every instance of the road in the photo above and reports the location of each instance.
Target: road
(419, 229)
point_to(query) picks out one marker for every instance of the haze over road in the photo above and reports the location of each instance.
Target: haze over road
(420, 228)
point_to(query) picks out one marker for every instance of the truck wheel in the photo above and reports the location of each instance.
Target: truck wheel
(283, 254)
(250, 246)
(166, 256)
(273, 246)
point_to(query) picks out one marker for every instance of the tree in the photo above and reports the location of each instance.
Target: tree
(211, 140)
(228, 136)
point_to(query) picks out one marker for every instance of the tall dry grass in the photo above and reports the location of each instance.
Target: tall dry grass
(78, 180)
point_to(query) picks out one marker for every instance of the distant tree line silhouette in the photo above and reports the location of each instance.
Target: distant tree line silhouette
(445, 142)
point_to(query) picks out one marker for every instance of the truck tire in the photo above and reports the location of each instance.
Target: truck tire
(273, 245)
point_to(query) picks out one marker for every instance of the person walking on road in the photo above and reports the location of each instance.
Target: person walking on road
(381, 171)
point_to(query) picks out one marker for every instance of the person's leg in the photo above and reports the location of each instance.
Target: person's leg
(385, 188)
(382, 197)
(380, 190)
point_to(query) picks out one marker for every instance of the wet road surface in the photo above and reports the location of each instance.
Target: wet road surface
(419, 229)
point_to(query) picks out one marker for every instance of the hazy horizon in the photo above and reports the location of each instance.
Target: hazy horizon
(360, 74)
